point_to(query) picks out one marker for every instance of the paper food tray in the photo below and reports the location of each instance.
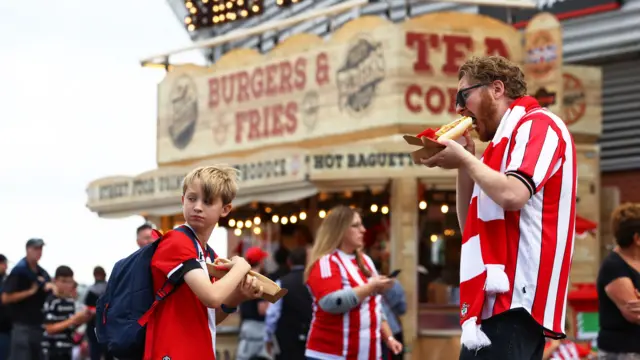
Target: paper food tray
(428, 147)
(271, 291)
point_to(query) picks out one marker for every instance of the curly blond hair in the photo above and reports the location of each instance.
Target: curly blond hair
(625, 223)
(487, 69)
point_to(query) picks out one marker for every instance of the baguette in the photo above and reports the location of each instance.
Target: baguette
(450, 131)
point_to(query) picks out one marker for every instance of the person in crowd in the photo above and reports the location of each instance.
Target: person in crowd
(287, 321)
(252, 313)
(5, 320)
(281, 257)
(567, 349)
(184, 325)
(144, 235)
(24, 292)
(618, 283)
(91, 299)
(394, 305)
(527, 172)
(61, 318)
(344, 285)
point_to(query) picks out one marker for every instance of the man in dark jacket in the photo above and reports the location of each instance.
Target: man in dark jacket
(95, 291)
(24, 292)
(288, 320)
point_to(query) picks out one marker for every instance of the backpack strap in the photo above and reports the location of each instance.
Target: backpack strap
(171, 284)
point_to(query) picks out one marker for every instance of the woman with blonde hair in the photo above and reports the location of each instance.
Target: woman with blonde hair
(345, 285)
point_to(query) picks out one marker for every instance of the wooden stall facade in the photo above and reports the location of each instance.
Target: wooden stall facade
(314, 115)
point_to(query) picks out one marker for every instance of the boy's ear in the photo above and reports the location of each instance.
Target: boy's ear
(182, 199)
(226, 209)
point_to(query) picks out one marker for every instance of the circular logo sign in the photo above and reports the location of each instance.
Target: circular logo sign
(542, 54)
(358, 78)
(184, 111)
(574, 102)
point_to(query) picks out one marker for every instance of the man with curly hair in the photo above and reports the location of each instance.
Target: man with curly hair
(516, 207)
(618, 283)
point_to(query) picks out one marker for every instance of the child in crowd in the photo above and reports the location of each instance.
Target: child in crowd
(60, 317)
(184, 324)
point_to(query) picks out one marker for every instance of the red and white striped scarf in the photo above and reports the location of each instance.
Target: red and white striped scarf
(484, 252)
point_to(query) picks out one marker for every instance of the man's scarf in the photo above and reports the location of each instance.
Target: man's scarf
(485, 234)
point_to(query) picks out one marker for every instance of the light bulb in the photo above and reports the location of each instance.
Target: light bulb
(257, 220)
(284, 220)
(303, 215)
(374, 208)
(384, 210)
(248, 223)
(275, 218)
(237, 232)
(322, 214)
(434, 238)
(293, 219)
(444, 208)
(232, 223)
(422, 205)
(240, 224)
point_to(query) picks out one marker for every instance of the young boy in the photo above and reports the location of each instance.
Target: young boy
(60, 317)
(184, 324)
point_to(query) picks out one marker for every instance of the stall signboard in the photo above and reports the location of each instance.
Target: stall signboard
(543, 60)
(384, 158)
(562, 9)
(582, 99)
(371, 74)
(164, 185)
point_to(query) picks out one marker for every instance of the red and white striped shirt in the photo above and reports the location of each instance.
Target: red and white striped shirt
(540, 236)
(567, 350)
(354, 334)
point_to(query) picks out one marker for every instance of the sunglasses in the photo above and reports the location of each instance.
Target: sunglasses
(463, 95)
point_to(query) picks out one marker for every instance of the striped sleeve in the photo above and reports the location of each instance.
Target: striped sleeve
(324, 277)
(537, 152)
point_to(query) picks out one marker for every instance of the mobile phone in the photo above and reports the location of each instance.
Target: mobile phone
(395, 273)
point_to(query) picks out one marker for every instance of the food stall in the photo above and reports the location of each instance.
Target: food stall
(314, 120)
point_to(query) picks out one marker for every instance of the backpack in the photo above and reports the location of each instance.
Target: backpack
(123, 311)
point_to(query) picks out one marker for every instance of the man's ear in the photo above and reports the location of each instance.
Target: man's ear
(497, 87)
(226, 209)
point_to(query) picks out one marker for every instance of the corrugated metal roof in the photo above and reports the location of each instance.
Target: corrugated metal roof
(620, 141)
(603, 35)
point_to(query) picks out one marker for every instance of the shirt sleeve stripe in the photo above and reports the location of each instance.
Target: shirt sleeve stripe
(548, 152)
(325, 267)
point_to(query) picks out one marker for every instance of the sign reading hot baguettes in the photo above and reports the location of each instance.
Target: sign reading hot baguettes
(371, 74)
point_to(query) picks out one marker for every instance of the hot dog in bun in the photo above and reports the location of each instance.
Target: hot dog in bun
(450, 131)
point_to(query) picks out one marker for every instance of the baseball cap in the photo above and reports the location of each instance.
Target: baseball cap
(35, 243)
(255, 254)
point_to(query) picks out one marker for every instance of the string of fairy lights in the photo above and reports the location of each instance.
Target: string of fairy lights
(254, 223)
(210, 13)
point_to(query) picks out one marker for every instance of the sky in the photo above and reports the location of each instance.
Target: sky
(75, 106)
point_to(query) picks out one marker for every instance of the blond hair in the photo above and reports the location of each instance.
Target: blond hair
(487, 69)
(217, 181)
(330, 235)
